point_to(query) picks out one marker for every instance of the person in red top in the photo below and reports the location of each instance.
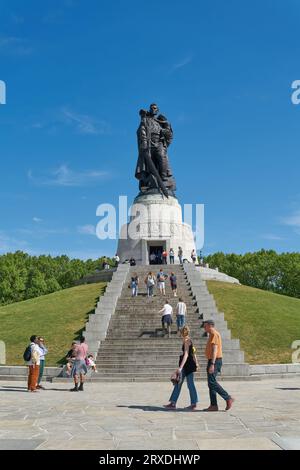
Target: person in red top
(164, 256)
(79, 367)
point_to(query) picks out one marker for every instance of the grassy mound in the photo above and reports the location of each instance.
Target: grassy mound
(265, 323)
(59, 317)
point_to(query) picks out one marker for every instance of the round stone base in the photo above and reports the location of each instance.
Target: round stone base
(155, 225)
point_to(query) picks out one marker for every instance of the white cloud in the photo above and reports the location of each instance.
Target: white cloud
(271, 236)
(83, 123)
(292, 220)
(86, 230)
(86, 254)
(182, 63)
(42, 232)
(15, 46)
(37, 125)
(37, 219)
(17, 19)
(64, 176)
(10, 244)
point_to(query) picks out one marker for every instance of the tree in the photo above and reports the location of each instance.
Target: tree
(36, 284)
(264, 269)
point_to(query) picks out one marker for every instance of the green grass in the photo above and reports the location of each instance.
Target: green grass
(265, 323)
(59, 318)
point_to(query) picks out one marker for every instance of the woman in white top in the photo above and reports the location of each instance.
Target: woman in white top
(43, 351)
(150, 283)
(33, 364)
(180, 314)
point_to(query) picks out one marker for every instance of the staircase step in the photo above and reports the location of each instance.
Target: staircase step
(134, 348)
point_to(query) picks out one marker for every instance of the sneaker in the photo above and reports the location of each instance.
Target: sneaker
(170, 406)
(211, 408)
(75, 389)
(80, 388)
(229, 403)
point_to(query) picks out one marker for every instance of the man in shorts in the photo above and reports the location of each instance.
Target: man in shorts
(166, 319)
(161, 278)
(79, 368)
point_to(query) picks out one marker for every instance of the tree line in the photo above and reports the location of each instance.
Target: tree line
(264, 269)
(23, 276)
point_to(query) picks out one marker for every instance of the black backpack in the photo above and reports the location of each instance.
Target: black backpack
(27, 354)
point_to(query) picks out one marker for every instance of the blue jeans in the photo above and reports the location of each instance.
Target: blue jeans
(150, 291)
(213, 385)
(191, 386)
(41, 371)
(180, 320)
(134, 291)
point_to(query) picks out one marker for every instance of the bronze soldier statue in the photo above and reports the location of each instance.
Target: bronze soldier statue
(153, 169)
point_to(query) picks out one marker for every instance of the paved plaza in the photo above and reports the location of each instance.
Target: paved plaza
(121, 416)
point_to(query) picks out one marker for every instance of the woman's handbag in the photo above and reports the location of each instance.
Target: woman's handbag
(175, 378)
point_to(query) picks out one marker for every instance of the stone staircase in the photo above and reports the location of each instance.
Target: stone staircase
(135, 347)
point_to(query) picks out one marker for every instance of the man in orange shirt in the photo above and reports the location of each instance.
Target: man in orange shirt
(213, 353)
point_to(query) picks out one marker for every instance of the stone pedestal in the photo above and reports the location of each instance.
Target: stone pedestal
(155, 224)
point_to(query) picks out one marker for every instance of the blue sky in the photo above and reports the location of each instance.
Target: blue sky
(77, 72)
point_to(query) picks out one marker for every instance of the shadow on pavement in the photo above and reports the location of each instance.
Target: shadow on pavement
(12, 388)
(287, 388)
(22, 387)
(159, 408)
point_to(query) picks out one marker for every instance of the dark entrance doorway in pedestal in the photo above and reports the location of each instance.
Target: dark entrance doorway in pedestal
(155, 254)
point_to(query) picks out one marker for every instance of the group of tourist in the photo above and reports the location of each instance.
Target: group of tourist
(78, 362)
(157, 257)
(151, 281)
(34, 357)
(188, 365)
(161, 257)
(167, 320)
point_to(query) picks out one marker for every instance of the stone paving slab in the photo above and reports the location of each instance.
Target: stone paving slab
(288, 443)
(19, 444)
(119, 416)
(251, 443)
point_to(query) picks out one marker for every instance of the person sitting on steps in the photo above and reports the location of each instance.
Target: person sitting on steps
(70, 357)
